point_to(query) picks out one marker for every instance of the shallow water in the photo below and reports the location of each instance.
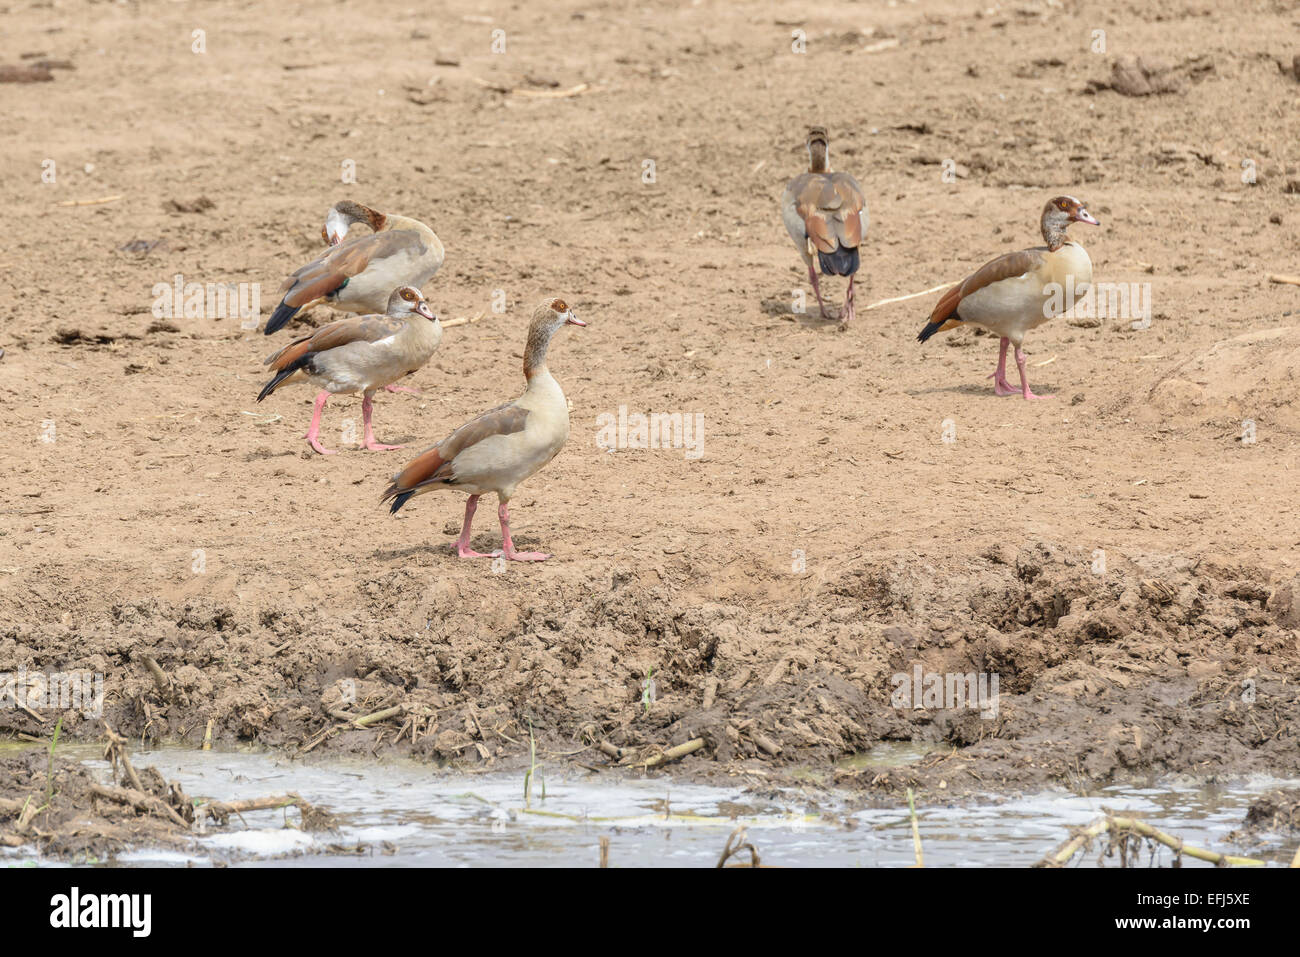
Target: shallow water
(408, 814)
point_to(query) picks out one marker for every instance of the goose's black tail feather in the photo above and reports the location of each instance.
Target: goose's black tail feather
(399, 499)
(930, 329)
(283, 313)
(842, 262)
(300, 363)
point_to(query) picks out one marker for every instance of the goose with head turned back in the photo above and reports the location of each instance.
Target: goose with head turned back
(1021, 290)
(359, 354)
(359, 274)
(825, 214)
(500, 448)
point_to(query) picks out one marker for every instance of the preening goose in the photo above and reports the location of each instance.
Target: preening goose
(359, 354)
(359, 274)
(500, 448)
(1021, 290)
(826, 214)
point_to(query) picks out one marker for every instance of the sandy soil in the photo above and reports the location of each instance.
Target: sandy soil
(171, 517)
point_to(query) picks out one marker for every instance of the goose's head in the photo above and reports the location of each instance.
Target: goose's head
(343, 215)
(548, 318)
(550, 315)
(1058, 214)
(1064, 210)
(406, 301)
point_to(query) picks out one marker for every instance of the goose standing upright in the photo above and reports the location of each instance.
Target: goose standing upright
(1021, 290)
(501, 447)
(825, 213)
(359, 274)
(359, 354)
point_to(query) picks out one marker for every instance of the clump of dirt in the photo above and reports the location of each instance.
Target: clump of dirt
(71, 336)
(1272, 820)
(1148, 76)
(64, 810)
(1277, 812)
(60, 807)
(200, 205)
(25, 74)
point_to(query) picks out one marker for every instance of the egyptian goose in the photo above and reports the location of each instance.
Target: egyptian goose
(359, 274)
(359, 354)
(500, 448)
(825, 213)
(1021, 290)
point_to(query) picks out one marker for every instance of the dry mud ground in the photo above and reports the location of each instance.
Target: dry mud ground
(1118, 555)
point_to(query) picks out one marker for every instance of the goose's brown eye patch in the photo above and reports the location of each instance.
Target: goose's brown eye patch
(408, 295)
(560, 306)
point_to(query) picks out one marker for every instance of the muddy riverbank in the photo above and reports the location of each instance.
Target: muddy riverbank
(1170, 666)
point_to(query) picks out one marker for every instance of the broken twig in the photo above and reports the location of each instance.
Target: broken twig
(1127, 825)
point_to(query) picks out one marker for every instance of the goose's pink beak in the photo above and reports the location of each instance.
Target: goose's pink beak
(574, 320)
(1081, 215)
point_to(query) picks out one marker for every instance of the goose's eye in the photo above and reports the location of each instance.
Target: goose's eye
(560, 306)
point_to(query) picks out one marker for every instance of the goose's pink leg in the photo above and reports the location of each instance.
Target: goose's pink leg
(847, 315)
(313, 430)
(368, 442)
(462, 543)
(509, 546)
(1000, 384)
(1024, 383)
(817, 290)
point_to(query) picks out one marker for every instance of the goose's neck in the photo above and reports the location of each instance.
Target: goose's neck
(1054, 233)
(539, 340)
(373, 218)
(819, 158)
(424, 329)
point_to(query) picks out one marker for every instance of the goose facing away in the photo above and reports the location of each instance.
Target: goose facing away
(360, 273)
(825, 214)
(1020, 290)
(359, 354)
(502, 447)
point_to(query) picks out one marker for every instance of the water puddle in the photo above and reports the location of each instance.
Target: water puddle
(887, 754)
(408, 814)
